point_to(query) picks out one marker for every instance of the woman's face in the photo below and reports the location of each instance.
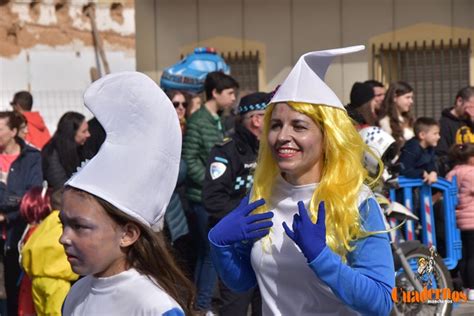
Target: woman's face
(23, 131)
(296, 142)
(404, 102)
(196, 103)
(7, 135)
(91, 238)
(180, 104)
(82, 133)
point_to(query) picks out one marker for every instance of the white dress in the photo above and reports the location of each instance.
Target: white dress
(127, 293)
(287, 284)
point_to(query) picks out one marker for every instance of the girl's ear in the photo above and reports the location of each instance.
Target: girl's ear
(131, 233)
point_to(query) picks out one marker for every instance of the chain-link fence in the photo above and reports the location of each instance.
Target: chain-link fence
(51, 104)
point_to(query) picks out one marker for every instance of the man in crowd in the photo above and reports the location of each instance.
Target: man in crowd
(229, 177)
(204, 129)
(379, 93)
(37, 133)
(452, 119)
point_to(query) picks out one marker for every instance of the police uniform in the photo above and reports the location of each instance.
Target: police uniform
(228, 178)
(229, 174)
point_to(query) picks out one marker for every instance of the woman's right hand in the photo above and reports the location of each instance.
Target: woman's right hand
(240, 225)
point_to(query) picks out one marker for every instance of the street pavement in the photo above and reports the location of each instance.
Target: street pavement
(464, 309)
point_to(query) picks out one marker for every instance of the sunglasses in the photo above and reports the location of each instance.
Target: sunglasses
(176, 104)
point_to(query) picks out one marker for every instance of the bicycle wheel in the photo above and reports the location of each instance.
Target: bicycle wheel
(441, 278)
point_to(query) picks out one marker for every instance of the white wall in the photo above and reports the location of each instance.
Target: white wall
(282, 30)
(57, 75)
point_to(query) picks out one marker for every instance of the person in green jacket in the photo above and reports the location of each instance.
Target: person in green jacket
(204, 129)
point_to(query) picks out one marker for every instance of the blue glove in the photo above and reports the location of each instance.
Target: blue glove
(238, 225)
(311, 238)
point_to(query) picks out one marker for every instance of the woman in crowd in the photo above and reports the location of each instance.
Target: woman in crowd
(113, 204)
(20, 167)
(397, 119)
(325, 252)
(362, 105)
(176, 223)
(195, 103)
(180, 103)
(64, 152)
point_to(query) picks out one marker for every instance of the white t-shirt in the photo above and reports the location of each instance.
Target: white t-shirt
(127, 293)
(287, 284)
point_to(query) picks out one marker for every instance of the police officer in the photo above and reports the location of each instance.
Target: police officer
(228, 179)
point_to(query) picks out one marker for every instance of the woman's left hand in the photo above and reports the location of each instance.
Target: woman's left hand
(311, 238)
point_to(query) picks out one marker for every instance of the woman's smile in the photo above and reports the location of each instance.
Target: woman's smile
(296, 142)
(287, 152)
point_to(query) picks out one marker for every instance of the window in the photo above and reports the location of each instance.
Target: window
(244, 69)
(436, 71)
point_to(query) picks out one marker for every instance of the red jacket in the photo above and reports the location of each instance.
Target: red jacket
(38, 134)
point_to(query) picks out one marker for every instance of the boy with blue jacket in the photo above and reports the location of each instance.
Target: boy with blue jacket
(417, 158)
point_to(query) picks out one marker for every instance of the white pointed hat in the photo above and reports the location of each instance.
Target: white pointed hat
(136, 168)
(305, 83)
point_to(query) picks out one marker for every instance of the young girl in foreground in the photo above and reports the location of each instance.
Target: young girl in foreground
(111, 205)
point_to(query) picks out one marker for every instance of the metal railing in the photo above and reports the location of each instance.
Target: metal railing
(417, 197)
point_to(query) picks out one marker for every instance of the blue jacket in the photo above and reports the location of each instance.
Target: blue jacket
(175, 217)
(414, 159)
(25, 173)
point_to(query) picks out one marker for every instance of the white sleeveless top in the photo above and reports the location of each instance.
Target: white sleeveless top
(287, 284)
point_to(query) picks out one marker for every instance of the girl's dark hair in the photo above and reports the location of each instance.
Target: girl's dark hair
(151, 256)
(389, 108)
(63, 141)
(460, 154)
(15, 119)
(366, 113)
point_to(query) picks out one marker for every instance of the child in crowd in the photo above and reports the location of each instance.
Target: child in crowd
(34, 208)
(45, 262)
(113, 206)
(417, 159)
(397, 119)
(463, 156)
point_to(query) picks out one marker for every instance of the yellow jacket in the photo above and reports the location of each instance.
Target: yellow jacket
(45, 262)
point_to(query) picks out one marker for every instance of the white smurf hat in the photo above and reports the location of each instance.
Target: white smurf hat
(305, 83)
(136, 168)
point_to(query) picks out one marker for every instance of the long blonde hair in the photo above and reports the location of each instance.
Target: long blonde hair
(342, 176)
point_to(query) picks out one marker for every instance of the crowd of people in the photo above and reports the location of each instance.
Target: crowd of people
(250, 206)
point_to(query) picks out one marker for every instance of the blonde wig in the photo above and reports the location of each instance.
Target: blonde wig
(342, 176)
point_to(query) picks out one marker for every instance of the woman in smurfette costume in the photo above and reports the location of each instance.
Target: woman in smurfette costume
(312, 237)
(112, 205)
